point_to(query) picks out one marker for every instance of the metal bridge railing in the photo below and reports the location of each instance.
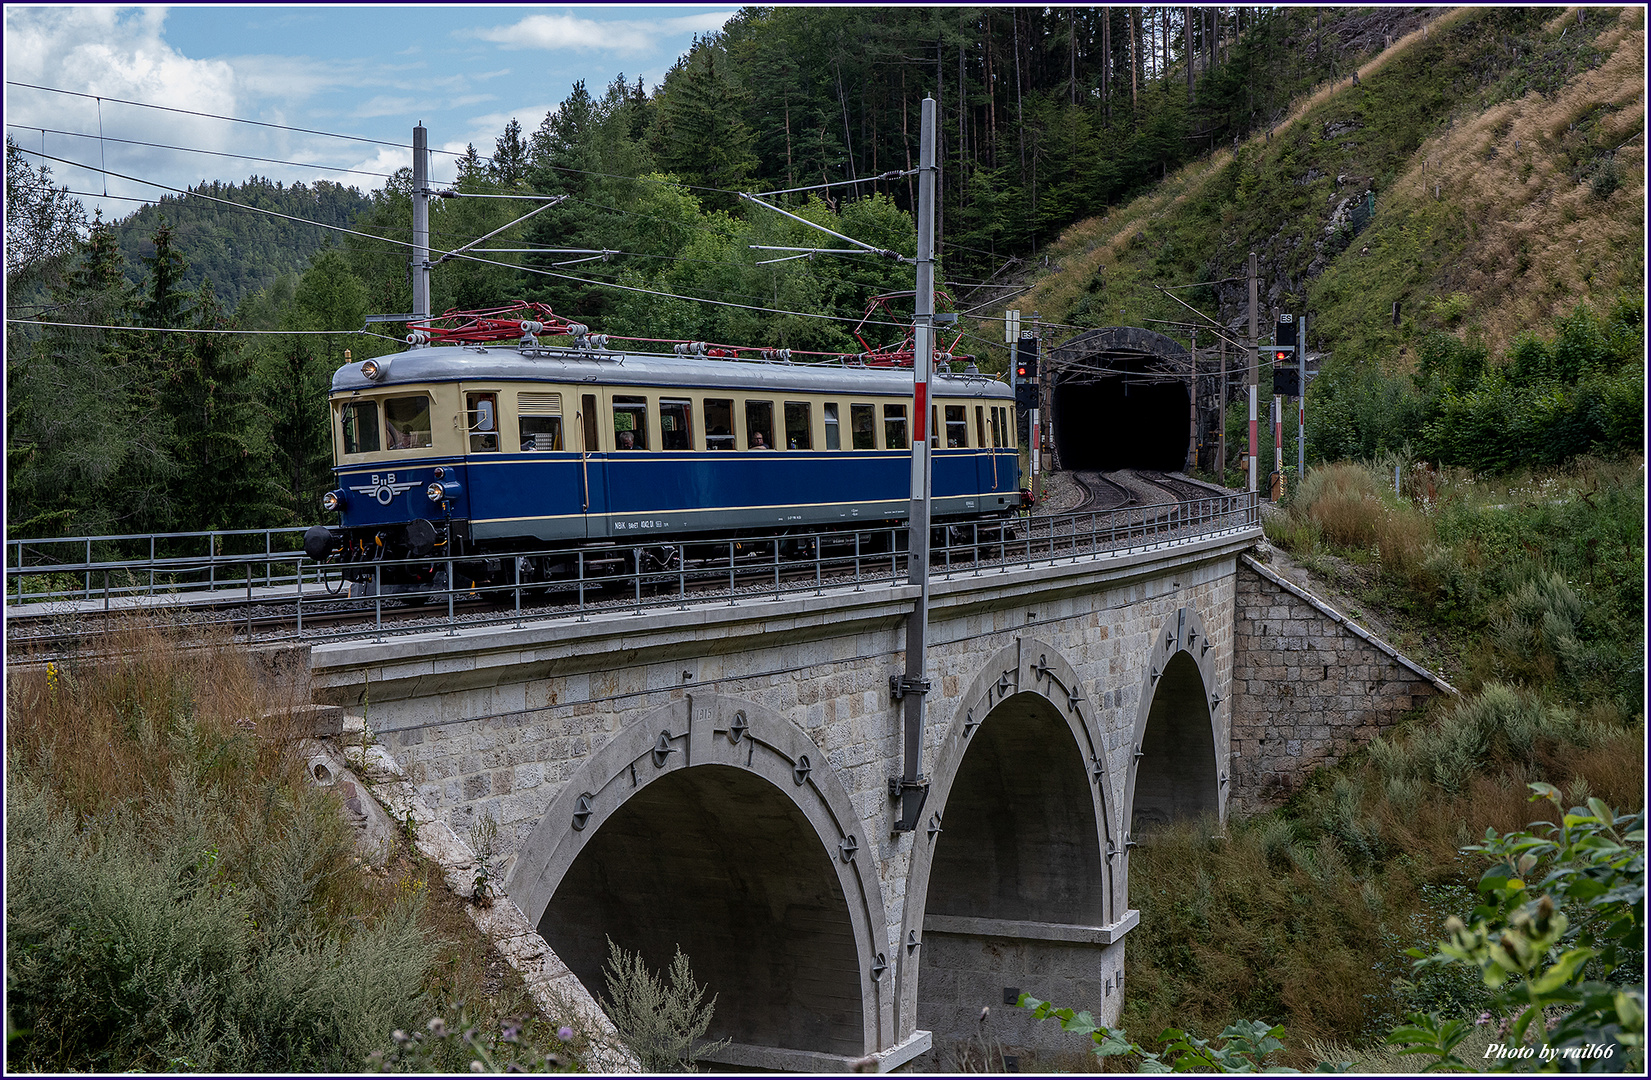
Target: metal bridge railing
(268, 568)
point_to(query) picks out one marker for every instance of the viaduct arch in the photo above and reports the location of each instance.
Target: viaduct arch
(1175, 772)
(715, 824)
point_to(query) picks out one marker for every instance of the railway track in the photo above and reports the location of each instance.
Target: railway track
(1104, 493)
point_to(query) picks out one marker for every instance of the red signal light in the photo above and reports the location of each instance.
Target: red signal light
(1280, 356)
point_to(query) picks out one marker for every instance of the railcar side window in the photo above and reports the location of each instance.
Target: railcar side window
(540, 432)
(719, 424)
(359, 420)
(894, 427)
(833, 439)
(482, 417)
(980, 426)
(675, 424)
(997, 426)
(587, 414)
(957, 427)
(630, 423)
(759, 425)
(799, 427)
(539, 420)
(863, 419)
(407, 422)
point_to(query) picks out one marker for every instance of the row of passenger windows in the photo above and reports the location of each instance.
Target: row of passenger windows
(639, 424)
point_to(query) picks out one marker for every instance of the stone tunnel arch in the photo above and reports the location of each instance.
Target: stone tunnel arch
(716, 825)
(1011, 878)
(1121, 400)
(1177, 771)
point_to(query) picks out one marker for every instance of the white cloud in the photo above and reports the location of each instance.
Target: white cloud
(552, 32)
(114, 53)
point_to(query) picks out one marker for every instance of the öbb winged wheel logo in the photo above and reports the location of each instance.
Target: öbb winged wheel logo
(384, 488)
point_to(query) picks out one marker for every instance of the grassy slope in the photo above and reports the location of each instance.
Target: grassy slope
(1522, 234)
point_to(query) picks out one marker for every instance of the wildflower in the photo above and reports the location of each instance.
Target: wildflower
(564, 1033)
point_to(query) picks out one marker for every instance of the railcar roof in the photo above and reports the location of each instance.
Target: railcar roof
(449, 363)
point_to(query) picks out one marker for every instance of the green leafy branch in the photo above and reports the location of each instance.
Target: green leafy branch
(1243, 1048)
(1536, 945)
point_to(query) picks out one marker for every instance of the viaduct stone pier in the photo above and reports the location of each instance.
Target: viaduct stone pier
(716, 778)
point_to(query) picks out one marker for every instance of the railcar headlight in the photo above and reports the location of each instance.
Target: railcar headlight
(435, 492)
(332, 500)
(375, 370)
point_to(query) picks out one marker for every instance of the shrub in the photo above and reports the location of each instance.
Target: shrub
(660, 1018)
(1343, 502)
(131, 945)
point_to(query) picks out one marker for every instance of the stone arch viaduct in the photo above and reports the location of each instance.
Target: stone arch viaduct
(717, 779)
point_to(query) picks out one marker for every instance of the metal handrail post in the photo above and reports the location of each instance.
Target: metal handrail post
(453, 629)
(730, 573)
(857, 584)
(636, 567)
(299, 569)
(581, 586)
(378, 601)
(516, 571)
(682, 577)
(819, 573)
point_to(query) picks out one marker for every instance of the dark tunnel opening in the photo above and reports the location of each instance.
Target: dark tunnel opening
(1121, 422)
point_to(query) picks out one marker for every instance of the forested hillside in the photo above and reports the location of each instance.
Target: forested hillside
(1438, 216)
(241, 251)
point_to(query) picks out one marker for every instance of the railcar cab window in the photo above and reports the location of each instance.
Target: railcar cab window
(759, 425)
(719, 424)
(799, 426)
(482, 416)
(630, 423)
(833, 439)
(359, 421)
(675, 424)
(894, 427)
(407, 423)
(957, 427)
(863, 419)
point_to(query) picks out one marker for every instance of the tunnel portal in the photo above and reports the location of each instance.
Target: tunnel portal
(1121, 400)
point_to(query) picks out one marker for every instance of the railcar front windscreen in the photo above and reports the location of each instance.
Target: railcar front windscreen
(359, 420)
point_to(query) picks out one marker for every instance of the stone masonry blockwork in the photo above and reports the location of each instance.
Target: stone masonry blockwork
(1308, 687)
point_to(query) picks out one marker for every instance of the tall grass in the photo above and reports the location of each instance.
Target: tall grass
(180, 898)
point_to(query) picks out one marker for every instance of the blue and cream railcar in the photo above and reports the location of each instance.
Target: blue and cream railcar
(476, 453)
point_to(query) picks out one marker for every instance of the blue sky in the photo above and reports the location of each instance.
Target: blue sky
(374, 71)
